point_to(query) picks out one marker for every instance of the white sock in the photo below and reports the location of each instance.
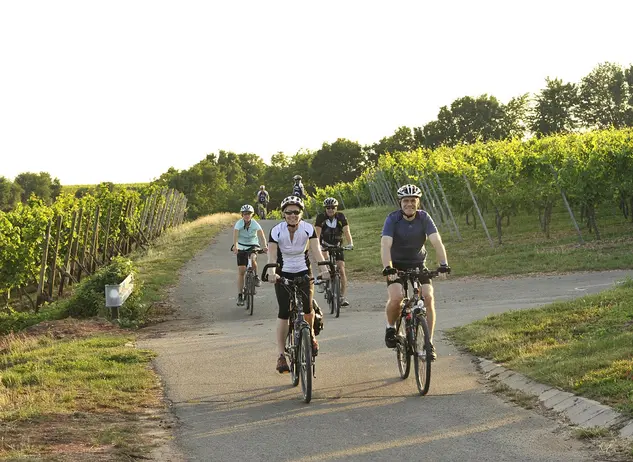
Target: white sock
(392, 326)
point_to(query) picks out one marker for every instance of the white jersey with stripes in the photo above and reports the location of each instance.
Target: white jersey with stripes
(292, 255)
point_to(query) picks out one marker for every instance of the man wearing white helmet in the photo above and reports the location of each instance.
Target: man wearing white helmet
(246, 234)
(289, 242)
(402, 247)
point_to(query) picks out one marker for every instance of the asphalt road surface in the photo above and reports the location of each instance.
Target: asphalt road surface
(218, 366)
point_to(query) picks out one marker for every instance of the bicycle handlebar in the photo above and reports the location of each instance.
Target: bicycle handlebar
(252, 249)
(285, 281)
(327, 246)
(417, 272)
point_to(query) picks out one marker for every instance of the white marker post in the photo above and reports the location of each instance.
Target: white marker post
(116, 294)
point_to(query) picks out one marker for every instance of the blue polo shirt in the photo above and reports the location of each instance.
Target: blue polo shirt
(408, 237)
(247, 237)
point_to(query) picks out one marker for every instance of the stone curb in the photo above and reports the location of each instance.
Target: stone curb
(583, 412)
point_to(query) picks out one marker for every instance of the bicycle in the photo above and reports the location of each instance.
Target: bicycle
(261, 210)
(249, 289)
(412, 331)
(333, 286)
(298, 348)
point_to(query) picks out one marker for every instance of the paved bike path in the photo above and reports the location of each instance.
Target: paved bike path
(218, 363)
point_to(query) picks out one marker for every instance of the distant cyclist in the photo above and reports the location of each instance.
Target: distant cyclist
(246, 233)
(330, 227)
(298, 189)
(289, 242)
(402, 247)
(262, 198)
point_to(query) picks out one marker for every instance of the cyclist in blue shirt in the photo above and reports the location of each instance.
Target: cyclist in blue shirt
(402, 247)
(246, 233)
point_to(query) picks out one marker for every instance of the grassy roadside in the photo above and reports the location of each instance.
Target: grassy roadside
(79, 390)
(583, 346)
(525, 250)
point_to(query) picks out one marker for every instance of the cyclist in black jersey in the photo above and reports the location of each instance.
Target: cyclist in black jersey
(331, 226)
(298, 190)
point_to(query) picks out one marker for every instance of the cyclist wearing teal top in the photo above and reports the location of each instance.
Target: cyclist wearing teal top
(246, 233)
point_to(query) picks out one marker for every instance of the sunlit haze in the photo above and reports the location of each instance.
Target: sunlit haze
(122, 90)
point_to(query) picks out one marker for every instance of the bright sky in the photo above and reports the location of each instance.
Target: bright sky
(122, 90)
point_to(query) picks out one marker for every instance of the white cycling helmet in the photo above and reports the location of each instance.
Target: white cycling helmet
(291, 200)
(330, 202)
(297, 177)
(247, 208)
(409, 190)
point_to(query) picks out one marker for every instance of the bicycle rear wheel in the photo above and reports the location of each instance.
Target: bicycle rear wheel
(422, 355)
(402, 353)
(305, 364)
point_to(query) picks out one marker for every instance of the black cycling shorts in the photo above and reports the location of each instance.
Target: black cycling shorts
(405, 266)
(242, 258)
(283, 295)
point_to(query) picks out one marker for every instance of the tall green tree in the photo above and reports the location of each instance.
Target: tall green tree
(403, 139)
(340, 161)
(604, 98)
(628, 77)
(555, 108)
(9, 194)
(41, 184)
(254, 168)
(467, 121)
(515, 121)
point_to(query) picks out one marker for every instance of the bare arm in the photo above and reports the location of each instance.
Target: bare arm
(272, 258)
(385, 250)
(318, 230)
(348, 235)
(440, 251)
(262, 238)
(235, 234)
(315, 249)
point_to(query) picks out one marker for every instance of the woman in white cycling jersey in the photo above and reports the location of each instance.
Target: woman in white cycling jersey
(288, 245)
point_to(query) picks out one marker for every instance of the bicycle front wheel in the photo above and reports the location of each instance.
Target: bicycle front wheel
(250, 298)
(291, 356)
(422, 355)
(402, 353)
(337, 295)
(305, 364)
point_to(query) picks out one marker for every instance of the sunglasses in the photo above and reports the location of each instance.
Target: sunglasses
(330, 208)
(292, 212)
(246, 214)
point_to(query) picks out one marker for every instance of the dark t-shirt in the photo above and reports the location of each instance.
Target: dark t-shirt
(331, 229)
(262, 196)
(408, 236)
(298, 190)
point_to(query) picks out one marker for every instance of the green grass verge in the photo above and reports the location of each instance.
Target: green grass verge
(80, 390)
(158, 266)
(525, 249)
(584, 346)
